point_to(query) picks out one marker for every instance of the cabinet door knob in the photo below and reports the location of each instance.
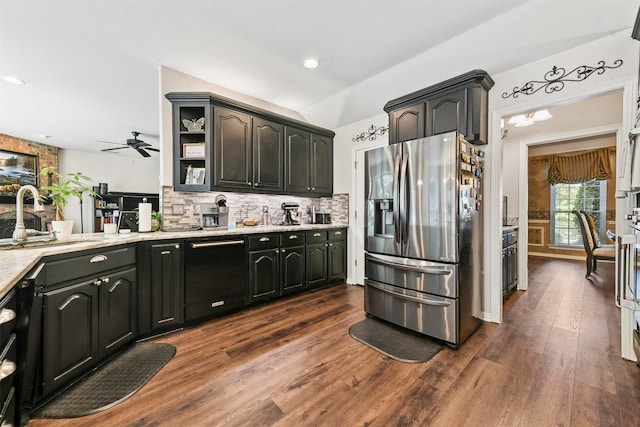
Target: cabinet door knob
(308, 188)
(97, 282)
(256, 184)
(249, 183)
(282, 250)
(276, 251)
(7, 368)
(330, 244)
(6, 315)
(313, 188)
(105, 280)
(177, 246)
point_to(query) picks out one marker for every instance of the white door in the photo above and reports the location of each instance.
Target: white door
(358, 209)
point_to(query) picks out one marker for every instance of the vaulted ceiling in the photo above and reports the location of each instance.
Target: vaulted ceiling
(91, 67)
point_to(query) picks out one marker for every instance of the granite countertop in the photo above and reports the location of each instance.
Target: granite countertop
(509, 228)
(15, 263)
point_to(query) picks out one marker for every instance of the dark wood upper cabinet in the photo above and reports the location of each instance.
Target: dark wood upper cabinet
(248, 149)
(296, 163)
(447, 112)
(232, 144)
(458, 104)
(268, 155)
(321, 165)
(407, 123)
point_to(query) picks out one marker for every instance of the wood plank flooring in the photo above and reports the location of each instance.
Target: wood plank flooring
(554, 361)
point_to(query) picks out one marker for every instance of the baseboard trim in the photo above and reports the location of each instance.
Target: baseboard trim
(562, 256)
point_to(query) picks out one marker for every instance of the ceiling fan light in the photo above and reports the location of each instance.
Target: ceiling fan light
(524, 123)
(541, 115)
(517, 119)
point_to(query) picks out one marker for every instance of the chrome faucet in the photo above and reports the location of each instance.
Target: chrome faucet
(20, 234)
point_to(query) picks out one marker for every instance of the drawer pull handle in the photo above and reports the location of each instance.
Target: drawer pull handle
(7, 368)
(317, 234)
(6, 315)
(165, 252)
(98, 258)
(264, 239)
(338, 233)
(293, 237)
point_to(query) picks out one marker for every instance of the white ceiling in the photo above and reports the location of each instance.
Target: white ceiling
(91, 67)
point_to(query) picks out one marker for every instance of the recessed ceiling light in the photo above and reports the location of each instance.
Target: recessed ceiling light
(14, 80)
(311, 63)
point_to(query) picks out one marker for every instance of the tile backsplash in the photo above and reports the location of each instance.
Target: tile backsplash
(247, 205)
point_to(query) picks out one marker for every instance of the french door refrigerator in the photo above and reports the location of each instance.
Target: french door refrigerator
(423, 261)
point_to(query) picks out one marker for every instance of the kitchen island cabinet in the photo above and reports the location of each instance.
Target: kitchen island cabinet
(89, 312)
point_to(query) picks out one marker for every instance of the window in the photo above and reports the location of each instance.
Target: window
(590, 196)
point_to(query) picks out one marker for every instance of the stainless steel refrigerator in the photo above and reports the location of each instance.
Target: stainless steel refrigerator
(424, 264)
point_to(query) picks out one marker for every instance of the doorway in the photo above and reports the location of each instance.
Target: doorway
(358, 209)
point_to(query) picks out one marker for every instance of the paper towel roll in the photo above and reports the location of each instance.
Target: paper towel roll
(144, 217)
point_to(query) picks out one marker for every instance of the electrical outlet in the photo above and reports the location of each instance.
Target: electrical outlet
(177, 209)
(265, 209)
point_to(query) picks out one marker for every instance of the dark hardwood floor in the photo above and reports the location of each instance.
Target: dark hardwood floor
(554, 361)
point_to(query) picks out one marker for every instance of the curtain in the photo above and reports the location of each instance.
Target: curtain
(580, 167)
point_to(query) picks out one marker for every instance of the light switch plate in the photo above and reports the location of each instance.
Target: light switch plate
(177, 209)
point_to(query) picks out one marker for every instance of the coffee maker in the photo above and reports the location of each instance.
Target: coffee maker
(214, 215)
(291, 213)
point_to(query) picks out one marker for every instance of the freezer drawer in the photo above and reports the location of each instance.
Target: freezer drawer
(426, 314)
(418, 275)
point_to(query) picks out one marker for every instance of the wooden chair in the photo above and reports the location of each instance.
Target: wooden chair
(592, 246)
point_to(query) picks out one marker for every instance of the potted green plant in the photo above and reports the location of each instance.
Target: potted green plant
(58, 193)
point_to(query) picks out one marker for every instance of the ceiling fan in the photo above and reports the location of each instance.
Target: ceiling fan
(135, 143)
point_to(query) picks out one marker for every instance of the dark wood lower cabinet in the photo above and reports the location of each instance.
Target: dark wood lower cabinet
(316, 265)
(292, 269)
(337, 259)
(85, 323)
(167, 285)
(264, 277)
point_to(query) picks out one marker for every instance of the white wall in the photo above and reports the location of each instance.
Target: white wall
(122, 172)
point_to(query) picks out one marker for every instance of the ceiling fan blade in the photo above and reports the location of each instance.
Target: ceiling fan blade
(111, 149)
(109, 142)
(152, 149)
(144, 153)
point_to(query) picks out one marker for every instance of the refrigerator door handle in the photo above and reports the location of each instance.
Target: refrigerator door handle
(426, 301)
(404, 200)
(399, 266)
(396, 206)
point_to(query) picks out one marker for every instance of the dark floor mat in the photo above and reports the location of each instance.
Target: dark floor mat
(395, 342)
(110, 384)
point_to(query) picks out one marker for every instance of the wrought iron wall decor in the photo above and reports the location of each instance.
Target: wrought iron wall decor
(371, 133)
(554, 80)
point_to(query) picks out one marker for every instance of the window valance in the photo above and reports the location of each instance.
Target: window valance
(581, 167)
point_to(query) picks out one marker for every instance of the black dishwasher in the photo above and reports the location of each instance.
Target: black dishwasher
(215, 277)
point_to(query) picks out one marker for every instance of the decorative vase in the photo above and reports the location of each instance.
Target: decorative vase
(155, 224)
(62, 228)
